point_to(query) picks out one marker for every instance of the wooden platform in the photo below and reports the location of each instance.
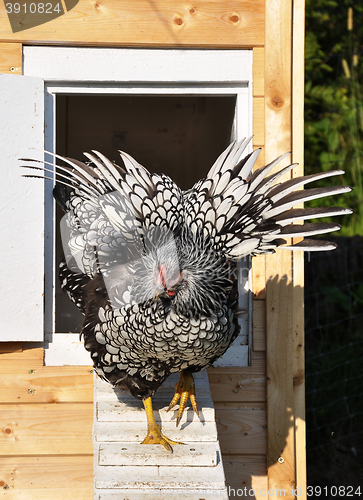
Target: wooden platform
(124, 468)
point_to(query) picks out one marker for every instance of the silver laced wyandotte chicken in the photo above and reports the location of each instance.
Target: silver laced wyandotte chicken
(153, 268)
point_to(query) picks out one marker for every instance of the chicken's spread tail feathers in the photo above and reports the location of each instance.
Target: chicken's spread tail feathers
(252, 212)
(239, 210)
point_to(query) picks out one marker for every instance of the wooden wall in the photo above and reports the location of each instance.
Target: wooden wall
(46, 413)
(46, 417)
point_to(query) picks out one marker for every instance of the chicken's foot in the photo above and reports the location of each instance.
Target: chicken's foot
(184, 389)
(154, 434)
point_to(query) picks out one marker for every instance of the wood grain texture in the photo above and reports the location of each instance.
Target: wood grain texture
(15, 353)
(259, 277)
(53, 429)
(46, 449)
(258, 121)
(47, 477)
(34, 384)
(11, 58)
(167, 23)
(258, 262)
(280, 416)
(246, 471)
(258, 72)
(259, 325)
(239, 384)
(279, 289)
(242, 431)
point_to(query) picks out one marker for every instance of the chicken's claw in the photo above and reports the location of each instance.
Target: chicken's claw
(184, 389)
(154, 434)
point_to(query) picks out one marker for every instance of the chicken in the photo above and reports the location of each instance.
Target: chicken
(153, 268)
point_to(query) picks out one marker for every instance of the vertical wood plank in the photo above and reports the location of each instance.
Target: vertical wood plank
(259, 325)
(258, 71)
(279, 290)
(259, 277)
(11, 58)
(280, 417)
(258, 263)
(298, 35)
(258, 121)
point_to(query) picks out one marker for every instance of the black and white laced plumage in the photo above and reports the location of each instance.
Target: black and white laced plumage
(153, 268)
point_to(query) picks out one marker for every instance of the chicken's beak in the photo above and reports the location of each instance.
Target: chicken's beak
(160, 291)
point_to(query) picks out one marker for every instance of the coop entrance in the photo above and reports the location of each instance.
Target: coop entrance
(173, 110)
(180, 136)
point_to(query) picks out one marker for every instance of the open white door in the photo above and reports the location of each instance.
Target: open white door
(21, 210)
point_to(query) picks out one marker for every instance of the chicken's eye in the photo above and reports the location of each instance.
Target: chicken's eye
(174, 278)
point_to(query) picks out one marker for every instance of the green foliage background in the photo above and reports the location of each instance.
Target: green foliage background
(334, 99)
(334, 282)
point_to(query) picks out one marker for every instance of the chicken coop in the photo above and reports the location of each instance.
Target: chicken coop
(171, 83)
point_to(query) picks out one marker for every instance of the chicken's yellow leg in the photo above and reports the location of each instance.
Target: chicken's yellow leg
(154, 434)
(184, 389)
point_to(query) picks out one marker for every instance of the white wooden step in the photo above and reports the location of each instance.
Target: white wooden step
(124, 469)
(217, 494)
(159, 495)
(134, 454)
(134, 411)
(129, 432)
(158, 477)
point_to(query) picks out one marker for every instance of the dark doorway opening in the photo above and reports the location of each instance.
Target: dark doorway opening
(178, 135)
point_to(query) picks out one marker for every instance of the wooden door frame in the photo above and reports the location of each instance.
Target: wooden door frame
(284, 131)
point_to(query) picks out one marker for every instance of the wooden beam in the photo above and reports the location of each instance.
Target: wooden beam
(279, 292)
(280, 417)
(163, 23)
(11, 58)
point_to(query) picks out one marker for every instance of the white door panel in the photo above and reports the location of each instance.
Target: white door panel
(21, 210)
